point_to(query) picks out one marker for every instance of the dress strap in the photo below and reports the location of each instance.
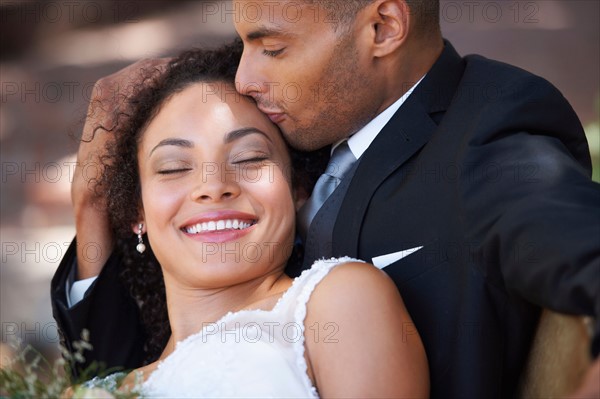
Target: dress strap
(304, 287)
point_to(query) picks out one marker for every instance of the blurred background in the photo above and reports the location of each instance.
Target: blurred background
(52, 52)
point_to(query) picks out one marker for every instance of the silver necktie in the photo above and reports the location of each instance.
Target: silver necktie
(340, 163)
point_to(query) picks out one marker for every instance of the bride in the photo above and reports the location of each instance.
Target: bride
(202, 194)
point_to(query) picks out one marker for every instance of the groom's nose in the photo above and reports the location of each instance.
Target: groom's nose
(249, 80)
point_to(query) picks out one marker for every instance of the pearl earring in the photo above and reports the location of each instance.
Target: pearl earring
(140, 247)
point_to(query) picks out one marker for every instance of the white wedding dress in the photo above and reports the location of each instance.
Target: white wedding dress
(249, 353)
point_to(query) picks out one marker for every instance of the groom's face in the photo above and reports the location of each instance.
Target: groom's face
(312, 81)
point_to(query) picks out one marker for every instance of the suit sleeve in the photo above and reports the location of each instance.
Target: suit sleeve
(108, 312)
(530, 202)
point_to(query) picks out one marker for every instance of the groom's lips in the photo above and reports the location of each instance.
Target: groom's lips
(274, 116)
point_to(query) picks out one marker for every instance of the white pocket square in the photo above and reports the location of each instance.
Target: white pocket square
(386, 260)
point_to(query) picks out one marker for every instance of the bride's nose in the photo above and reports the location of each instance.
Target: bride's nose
(215, 184)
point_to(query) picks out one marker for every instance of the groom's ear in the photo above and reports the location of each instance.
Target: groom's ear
(390, 21)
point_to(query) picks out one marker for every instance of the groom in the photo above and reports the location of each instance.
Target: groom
(477, 203)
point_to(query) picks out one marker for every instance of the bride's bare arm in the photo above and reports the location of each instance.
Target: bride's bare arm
(367, 345)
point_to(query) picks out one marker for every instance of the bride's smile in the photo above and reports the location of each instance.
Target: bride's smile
(219, 226)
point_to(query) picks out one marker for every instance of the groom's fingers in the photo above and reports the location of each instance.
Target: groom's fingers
(111, 92)
(109, 99)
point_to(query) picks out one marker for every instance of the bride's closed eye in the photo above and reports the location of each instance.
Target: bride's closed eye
(250, 158)
(173, 168)
(173, 171)
(252, 150)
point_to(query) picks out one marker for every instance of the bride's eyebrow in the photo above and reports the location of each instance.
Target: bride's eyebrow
(173, 141)
(239, 133)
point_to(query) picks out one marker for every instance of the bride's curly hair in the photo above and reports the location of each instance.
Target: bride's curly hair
(119, 183)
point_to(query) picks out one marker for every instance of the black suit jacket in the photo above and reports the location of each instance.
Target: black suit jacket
(485, 167)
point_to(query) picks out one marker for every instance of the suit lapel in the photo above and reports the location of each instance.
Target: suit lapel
(406, 133)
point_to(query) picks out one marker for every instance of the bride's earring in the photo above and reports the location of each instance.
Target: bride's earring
(140, 247)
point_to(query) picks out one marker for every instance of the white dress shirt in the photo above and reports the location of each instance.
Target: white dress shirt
(361, 140)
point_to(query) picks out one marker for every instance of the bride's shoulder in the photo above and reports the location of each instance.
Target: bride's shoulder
(352, 285)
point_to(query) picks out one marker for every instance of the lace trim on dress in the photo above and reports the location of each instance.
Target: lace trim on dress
(181, 345)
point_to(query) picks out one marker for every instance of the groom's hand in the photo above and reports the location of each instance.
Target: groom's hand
(94, 240)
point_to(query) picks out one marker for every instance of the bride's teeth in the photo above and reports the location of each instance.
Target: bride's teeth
(217, 226)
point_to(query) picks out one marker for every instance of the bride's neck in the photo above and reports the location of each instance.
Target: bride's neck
(190, 309)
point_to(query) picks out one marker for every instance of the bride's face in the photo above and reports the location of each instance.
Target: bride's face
(216, 192)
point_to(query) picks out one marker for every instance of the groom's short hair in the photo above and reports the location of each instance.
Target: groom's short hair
(426, 13)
